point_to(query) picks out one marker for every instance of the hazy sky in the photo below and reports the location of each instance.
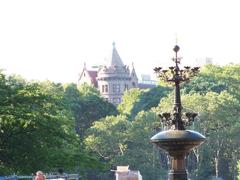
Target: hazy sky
(51, 39)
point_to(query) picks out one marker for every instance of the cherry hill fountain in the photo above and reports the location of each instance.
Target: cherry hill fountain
(177, 141)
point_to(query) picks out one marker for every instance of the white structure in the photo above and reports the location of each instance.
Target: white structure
(123, 173)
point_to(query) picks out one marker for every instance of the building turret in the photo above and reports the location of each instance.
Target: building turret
(114, 79)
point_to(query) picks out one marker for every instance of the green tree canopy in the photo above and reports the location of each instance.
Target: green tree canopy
(122, 142)
(36, 128)
(136, 100)
(214, 78)
(87, 106)
(219, 121)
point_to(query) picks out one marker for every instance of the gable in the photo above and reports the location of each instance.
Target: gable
(88, 77)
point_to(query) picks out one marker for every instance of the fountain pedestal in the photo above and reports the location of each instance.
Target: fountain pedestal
(178, 143)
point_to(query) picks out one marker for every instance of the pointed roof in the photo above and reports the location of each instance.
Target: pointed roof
(133, 72)
(90, 73)
(93, 76)
(115, 59)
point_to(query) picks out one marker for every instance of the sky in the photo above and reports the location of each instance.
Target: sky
(51, 39)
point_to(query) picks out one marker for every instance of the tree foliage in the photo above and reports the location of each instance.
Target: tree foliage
(38, 123)
(219, 121)
(87, 106)
(37, 128)
(122, 142)
(214, 78)
(136, 100)
(213, 94)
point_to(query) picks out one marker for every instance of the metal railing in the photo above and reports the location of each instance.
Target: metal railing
(48, 176)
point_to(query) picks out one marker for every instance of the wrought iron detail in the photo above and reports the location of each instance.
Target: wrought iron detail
(176, 75)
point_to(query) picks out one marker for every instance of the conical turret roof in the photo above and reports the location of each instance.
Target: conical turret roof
(133, 72)
(115, 58)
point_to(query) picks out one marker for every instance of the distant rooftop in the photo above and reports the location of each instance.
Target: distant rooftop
(146, 86)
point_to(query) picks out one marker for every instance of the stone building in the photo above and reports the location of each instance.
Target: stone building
(111, 79)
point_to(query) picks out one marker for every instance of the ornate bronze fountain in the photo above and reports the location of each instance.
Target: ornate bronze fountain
(177, 141)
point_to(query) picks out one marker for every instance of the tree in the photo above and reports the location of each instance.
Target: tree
(136, 100)
(129, 99)
(87, 106)
(28, 113)
(150, 98)
(73, 102)
(122, 142)
(107, 137)
(217, 122)
(214, 78)
(238, 166)
(36, 128)
(140, 153)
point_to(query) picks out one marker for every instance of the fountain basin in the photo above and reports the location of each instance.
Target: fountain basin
(174, 141)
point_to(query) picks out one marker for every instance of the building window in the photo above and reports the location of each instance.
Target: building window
(133, 84)
(116, 88)
(104, 88)
(126, 87)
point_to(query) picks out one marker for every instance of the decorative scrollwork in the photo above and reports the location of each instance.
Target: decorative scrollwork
(176, 75)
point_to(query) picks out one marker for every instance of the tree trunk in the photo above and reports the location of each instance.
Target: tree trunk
(216, 160)
(197, 155)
